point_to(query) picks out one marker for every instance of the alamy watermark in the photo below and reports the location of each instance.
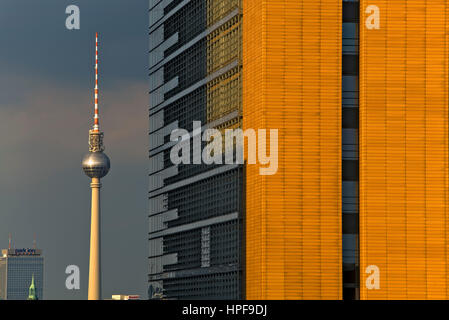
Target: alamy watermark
(72, 282)
(72, 22)
(373, 279)
(227, 149)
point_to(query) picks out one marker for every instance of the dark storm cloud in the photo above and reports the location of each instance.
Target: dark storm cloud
(34, 39)
(46, 93)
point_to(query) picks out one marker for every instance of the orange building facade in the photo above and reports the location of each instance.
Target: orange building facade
(292, 82)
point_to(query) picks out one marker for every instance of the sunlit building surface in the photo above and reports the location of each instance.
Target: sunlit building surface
(292, 56)
(17, 268)
(404, 226)
(125, 297)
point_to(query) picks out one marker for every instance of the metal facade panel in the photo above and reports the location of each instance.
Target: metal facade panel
(403, 149)
(292, 82)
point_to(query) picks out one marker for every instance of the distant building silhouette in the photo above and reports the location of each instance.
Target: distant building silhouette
(32, 290)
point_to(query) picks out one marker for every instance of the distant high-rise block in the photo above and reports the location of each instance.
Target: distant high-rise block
(17, 269)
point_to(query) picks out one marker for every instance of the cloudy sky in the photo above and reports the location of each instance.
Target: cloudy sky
(46, 107)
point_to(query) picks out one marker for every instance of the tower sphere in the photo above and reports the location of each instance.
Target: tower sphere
(96, 164)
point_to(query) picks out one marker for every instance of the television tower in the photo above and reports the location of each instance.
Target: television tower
(96, 165)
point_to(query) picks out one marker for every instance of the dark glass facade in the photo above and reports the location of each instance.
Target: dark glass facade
(350, 152)
(195, 210)
(16, 272)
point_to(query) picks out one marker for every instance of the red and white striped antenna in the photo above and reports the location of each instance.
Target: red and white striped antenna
(9, 238)
(96, 116)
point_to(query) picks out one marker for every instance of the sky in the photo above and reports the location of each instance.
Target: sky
(46, 111)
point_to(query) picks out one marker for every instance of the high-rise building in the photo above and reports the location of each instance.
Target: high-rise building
(358, 91)
(195, 210)
(18, 269)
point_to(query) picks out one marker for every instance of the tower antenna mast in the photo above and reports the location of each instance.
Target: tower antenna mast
(96, 115)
